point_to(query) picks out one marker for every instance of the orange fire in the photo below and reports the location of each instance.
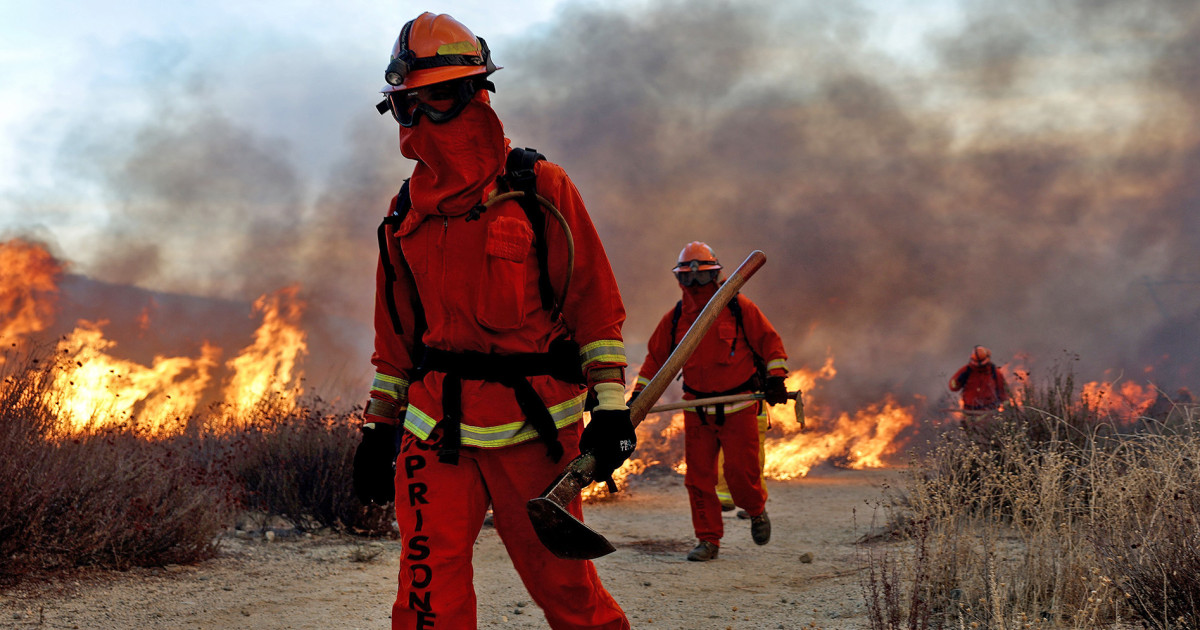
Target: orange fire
(863, 439)
(1122, 400)
(1125, 401)
(93, 388)
(28, 287)
(267, 372)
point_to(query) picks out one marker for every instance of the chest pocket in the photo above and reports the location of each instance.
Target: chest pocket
(727, 331)
(500, 304)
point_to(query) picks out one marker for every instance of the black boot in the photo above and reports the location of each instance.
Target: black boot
(760, 528)
(703, 552)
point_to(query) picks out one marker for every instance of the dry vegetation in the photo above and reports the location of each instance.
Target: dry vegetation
(120, 497)
(1045, 515)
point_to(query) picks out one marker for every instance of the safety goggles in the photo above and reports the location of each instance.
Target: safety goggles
(695, 278)
(439, 102)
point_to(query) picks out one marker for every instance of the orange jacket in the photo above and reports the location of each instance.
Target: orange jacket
(477, 281)
(983, 386)
(723, 359)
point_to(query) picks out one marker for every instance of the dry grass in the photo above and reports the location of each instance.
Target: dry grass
(1048, 515)
(120, 497)
(111, 498)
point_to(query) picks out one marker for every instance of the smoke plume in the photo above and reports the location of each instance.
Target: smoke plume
(1028, 182)
(1032, 188)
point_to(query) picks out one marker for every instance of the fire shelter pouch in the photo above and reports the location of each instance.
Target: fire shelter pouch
(501, 302)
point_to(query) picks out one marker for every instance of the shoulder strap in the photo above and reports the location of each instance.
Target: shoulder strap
(403, 205)
(519, 176)
(675, 324)
(760, 365)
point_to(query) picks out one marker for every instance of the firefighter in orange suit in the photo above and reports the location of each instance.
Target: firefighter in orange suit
(487, 343)
(982, 384)
(724, 363)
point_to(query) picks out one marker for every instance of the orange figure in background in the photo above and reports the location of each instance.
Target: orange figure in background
(741, 353)
(982, 384)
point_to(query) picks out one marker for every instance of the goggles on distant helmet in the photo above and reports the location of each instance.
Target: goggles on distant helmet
(694, 276)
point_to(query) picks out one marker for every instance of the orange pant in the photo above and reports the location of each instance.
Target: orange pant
(440, 509)
(764, 423)
(737, 438)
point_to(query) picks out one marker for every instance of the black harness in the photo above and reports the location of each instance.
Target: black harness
(755, 383)
(510, 370)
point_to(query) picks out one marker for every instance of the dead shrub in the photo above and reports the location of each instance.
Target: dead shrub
(1050, 514)
(118, 497)
(297, 464)
(108, 499)
(1147, 529)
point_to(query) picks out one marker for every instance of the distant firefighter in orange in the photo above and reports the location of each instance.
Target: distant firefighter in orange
(982, 384)
(741, 353)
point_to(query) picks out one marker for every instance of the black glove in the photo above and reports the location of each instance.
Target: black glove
(775, 392)
(610, 437)
(633, 397)
(375, 464)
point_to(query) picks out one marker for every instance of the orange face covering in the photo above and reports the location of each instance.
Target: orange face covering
(696, 298)
(456, 160)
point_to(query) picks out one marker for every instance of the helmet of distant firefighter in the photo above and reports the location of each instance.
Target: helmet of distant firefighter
(697, 265)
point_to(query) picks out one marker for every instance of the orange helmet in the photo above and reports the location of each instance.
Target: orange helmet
(700, 254)
(980, 355)
(697, 265)
(436, 48)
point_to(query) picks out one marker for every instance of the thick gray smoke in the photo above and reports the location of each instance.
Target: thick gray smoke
(1034, 189)
(1031, 185)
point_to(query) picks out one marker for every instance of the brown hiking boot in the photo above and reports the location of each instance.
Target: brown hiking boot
(760, 528)
(703, 552)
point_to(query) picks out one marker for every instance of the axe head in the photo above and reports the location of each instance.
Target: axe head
(563, 534)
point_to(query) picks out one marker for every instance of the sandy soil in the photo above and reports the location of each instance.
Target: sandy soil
(324, 581)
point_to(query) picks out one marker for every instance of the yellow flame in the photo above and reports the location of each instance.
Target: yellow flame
(268, 367)
(94, 390)
(861, 440)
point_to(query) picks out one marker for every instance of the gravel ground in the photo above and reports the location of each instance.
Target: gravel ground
(805, 578)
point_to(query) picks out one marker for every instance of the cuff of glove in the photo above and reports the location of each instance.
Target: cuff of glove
(384, 411)
(610, 396)
(598, 375)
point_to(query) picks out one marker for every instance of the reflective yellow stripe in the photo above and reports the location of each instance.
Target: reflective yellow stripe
(458, 48)
(780, 364)
(643, 380)
(606, 350)
(418, 423)
(393, 386)
(564, 414)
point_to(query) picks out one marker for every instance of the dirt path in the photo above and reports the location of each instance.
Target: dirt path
(322, 582)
